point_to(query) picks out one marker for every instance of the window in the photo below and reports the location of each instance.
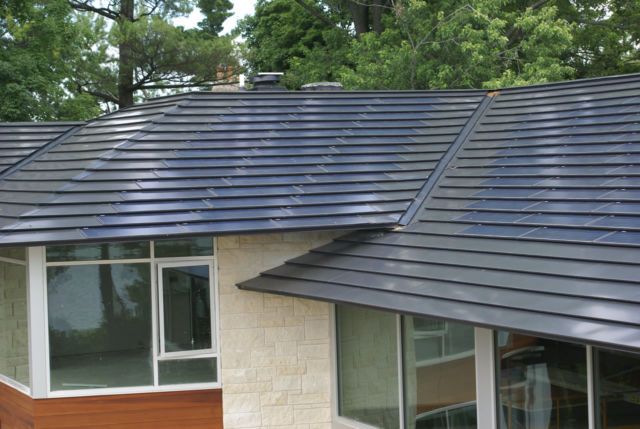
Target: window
(14, 346)
(617, 389)
(100, 332)
(368, 366)
(542, 383)
(438, 370)
(439, 374)
(111, 326)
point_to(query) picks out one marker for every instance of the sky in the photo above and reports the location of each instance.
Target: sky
(241, 8)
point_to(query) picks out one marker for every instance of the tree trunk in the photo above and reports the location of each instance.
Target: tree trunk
(360, 16)
(125, 57)
(376, 11)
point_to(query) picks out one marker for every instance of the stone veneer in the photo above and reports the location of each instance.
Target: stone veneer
(14, 347)
(275, 350)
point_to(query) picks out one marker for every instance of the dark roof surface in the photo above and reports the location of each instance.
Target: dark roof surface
(18, 140)
(212, 163)
(534, 225)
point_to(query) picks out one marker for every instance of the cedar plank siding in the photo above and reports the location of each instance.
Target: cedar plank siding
(16, 409)
(200, 409)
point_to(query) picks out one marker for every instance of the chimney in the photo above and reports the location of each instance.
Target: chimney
(267, 82)
(322, 86)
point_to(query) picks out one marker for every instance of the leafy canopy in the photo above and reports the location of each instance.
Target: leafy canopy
(421, 44)
(36, 40)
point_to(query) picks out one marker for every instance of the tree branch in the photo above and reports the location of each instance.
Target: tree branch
(185, 85)
(316, 13)
(103, 95)
(86, 7)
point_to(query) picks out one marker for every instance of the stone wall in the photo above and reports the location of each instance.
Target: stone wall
(14, 346)
(275, 350)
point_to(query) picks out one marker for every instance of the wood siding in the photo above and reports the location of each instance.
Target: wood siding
(16, 409)
(184, 410)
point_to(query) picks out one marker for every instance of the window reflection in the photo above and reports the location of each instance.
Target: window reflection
(368, 366)
(99, 326)
(618, 390)
(542, 383)
(439, 371)
(186, 308)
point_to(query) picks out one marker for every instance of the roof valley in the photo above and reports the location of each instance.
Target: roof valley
(423, 195)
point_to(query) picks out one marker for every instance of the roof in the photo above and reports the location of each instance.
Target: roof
(532, 226)
(215, 163)
(18, 140)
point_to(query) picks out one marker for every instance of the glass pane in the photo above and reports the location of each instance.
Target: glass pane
(96, 252)
(100, 326)
(14, 253)
(187, 371)
(187, 308)
(368, 366)
(201, 246)
(439, 371)
(543, 383)
(618, 390)
(14, 347)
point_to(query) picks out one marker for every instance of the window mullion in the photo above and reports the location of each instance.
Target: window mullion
(155, 291)
(486, 391)
(38, 325)
(401, 404)
(591, 388)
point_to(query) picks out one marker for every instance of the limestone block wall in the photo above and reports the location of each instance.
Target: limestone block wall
(275, 350)
(14, 346)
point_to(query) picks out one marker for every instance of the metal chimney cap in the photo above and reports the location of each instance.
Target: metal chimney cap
(322, 86)
(267, 82)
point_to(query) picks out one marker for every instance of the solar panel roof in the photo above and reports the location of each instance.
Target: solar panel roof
(533, 224)
(215, 163)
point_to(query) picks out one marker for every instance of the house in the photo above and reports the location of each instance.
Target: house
(433, 259)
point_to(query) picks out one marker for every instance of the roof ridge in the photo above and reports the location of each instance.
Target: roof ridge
(424, 193)
(122, 144)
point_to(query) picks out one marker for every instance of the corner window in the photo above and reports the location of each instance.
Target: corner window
(121, 317)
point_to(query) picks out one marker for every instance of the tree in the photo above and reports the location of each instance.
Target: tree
(364, 15)
(421, 44)
(606, 36)
(417, 44)
(280, 30)
(153, 54)
(38, 39)
(215, 14)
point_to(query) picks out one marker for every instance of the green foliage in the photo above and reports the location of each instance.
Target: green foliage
(446, 43)
(607, 36)
(280, 30)
(140, 51)
(37, 38)
(215, 13)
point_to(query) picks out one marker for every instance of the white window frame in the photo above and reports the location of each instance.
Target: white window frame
(39, 362)
(163, 355)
